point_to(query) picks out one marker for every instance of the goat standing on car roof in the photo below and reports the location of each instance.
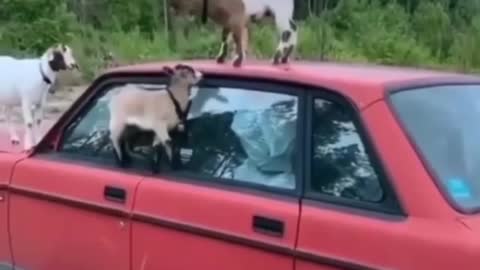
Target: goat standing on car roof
(26, 83)
(233, 16)
(157, 111)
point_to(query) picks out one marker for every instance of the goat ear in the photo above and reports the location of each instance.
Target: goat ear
(168, 70)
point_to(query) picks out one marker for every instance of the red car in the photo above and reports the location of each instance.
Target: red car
(309, 166)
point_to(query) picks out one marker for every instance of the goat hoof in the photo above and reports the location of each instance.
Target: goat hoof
(220, 59)
(276, 58)
(276, 61)
(157, 155)
(237, 63)
(15, 141)
(284, 60)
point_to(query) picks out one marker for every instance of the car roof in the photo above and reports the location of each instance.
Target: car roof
(362, 83)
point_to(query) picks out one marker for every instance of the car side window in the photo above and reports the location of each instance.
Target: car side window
(341, 166)
(233, 134)
(242, 135)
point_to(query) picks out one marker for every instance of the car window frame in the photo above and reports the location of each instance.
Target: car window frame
(240, 82)
(391, 205)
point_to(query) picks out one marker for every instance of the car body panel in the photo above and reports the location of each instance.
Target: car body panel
(360, 240)
(7, 163)
(211, 228)
(74, 226)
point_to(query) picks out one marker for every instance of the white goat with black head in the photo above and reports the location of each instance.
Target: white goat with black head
(26, 83)
(135, 108)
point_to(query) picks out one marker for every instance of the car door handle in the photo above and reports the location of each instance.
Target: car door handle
(264, 225)
(114, 194)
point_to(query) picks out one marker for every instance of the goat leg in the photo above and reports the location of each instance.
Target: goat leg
(124, 148)
(38, 118)
(179, 136)
(245, 39)
(14, 139)
(176, 161)
(291, 42)
(120, 152)
(157, 155)
(161, 145)
(288, 39)
(118, 139)
(222, 54)
(237, 38)
(28, 122)
(37, 114)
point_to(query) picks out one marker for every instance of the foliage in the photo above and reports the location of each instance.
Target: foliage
(32, 25)
(440, 33)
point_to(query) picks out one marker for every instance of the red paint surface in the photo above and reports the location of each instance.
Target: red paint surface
(50, 235)
(54, 235)
(7, 161)
(213, 209)
(386, 244)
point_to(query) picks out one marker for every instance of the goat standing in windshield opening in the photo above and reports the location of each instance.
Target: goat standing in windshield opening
(233, 16)
(135, 108)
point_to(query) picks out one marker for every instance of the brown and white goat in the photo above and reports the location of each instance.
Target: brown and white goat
(233, 16)
(148, 110)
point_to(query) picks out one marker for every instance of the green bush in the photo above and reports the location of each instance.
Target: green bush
(39, 24)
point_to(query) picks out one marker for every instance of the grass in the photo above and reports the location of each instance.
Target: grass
(317, 41)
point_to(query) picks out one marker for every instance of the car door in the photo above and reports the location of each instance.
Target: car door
(233, 203)
(7, 161)
(350, 217)
(70, 207)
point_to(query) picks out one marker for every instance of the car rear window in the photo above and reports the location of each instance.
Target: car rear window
(444, 124)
